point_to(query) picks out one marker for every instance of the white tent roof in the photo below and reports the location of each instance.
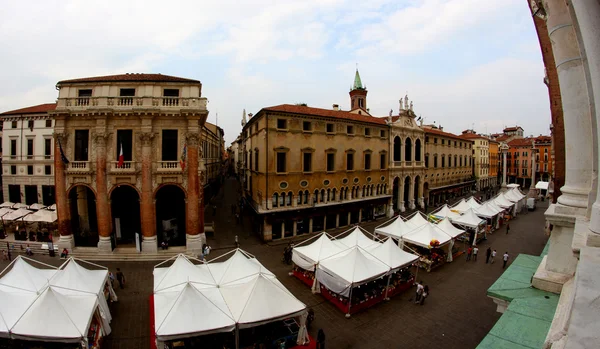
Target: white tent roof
(36, 206)
(51, 207)
(395, 229)
(461, 206)
(354, 266)
(13, 303)
(517, 193)
(75, 277)
(539, 185)
(446, 211)
(485, 211)
(357, 238)
(513, 185)
(492, 204)
(468, 219)
(41, 216)
(473, 203)
(26, 277)
(237, 290)
(308, 256)
(417, 220)
(7, 204)
(423, 235)
(11, 216)
(501, 201)
(449, 228)
(392, 255)
(19, 205)
(4, 211)
(511, 196)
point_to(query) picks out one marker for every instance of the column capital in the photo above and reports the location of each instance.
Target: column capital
(146, 138)
(192, 138)
(100, 138)
(61, 136)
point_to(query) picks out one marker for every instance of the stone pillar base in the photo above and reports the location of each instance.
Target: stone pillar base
(548, 280)
(411, 204)
(149, 244)
(390, 212)
(402, 209)
(66, 241)
(104, 244)
(422, 202)
(194, 243)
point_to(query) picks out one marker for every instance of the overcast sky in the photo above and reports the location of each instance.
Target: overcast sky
(464, 63)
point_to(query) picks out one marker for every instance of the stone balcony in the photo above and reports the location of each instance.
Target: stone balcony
(75, 167)
(168, 167)
(128, 167)
(82, 103)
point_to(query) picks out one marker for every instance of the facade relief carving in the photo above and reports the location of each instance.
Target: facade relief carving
(146, 138)
(192, 138)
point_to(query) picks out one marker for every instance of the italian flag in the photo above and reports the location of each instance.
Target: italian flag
(121, 157)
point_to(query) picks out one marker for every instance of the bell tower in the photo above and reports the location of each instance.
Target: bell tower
(358, 95)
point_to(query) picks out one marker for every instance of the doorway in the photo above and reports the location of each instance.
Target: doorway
(84, 222)
(170, 215)
(125, 208)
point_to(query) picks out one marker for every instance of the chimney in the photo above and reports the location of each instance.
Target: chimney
(441, 128)
(336, 107)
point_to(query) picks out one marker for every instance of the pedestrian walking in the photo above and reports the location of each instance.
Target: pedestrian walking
(120, 278)
(505, 259)
(419, 293)
(493, 256)
(237, 244)
(321, 339)
(214, 211)
(475, 251)
(488, 253)
(111, 278)
(507, 228)
(425, 294)
(469, 252)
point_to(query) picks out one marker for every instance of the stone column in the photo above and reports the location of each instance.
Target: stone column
(504, 169)
(194, 234)
(310, 221)
(532, 192)
(60, 185)
(148, 219)
(588, 13)
(576, 106)
(411, 194)
(401, 196)
(390, 208)
(359, 215)
(337, 220)
(102, 205)
(267, 230)
(295, 228)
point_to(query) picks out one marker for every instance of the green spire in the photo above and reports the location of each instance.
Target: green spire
(357, 83)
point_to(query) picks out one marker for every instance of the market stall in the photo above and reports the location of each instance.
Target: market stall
(357, 237)
(461, 206)
(473, 203)
(306, 256)
(431, 243)
(455, 233)
(445, 212)
(225, 296)
(416, 220)
(505, 204)
(394, 228)
(490, 215)
(475, 226)
(71, 297)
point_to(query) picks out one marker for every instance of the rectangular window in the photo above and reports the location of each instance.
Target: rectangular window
(434, 140)
(171, 97)
(13, 170)
(382, 133)
(30, 148)
(13, 148)
(281, 124)
(47, 148)
(84, 93)
(48, 123)
(256, 160)
(367, 131)
(330, 162)
(13, 124)
(48, 170)
(443, 141)
(382, 161)
(169, 145)
(127, 92)
(171, 92)
(14, 193)
(281, 162)
(349, 162)
(82, 138)
(443, 161)
(367, 161)
(435, 162)
(455, 143)
(30, 124)
(426, 160)
(306, 126)
(350, 130)
(306, 162)
(330, 128)
(30, 170)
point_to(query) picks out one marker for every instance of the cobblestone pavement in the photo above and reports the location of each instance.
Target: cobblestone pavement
(457, 314)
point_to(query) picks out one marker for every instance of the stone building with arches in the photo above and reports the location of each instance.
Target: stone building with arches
(127, 150)
(407, 164)
(309, 169)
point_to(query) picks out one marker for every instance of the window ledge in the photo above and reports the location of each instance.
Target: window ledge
(281, 173)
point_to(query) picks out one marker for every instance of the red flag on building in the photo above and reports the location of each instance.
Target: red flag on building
(121, 157)
(183, 157)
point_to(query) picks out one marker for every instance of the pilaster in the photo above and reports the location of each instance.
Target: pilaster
(148, 219)
(102, 205)
(62, 209)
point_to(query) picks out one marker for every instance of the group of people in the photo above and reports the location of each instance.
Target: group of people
(490, 255)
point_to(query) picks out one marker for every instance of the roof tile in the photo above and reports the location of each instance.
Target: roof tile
(339, 114)
(36, 109)
(130, 78)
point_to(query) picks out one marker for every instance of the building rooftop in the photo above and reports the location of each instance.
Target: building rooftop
(36, 109)
(329, 113)
(133, 77)
(521, 142)
(512, 128)
(441, 133)
(472, 136)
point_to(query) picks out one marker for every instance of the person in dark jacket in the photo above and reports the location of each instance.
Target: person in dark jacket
(321, 339)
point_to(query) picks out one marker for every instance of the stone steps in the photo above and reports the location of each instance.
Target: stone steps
(18, 246)
(125, 254)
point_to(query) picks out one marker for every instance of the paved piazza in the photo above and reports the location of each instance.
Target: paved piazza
(457, 314)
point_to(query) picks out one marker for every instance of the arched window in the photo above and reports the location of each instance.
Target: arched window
(275, 199)
(300, 197)
(333, 192)
(306, 195)
(290, 195)
(418, 150)
(322, 195)
(408, 150)
(282, 199)
(328, 194)
(397, 148)
(316, 196)
(363, 191)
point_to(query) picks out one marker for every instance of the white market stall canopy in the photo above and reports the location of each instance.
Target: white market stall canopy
(36, 206)
(449, 228)
(392, 255)
(44, 216)
(14, 215)
(512, 196)
(461, 206)
(19, 205)
(473, 203)
(49, 304)
(417, 220)
(7, 204)
(51, 207)
(492, 204)
(469, 219)
(308, 256)
(395, 229)
(446, 211)
(485, 211)
(4, 211)
(539, 185)
(513, 185)
(219, 296)
(503, 202)
(357, 238)
(423, 235)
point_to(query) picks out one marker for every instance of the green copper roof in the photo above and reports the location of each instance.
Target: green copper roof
(357, 83)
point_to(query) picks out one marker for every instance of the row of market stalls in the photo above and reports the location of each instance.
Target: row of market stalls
(353, 270)
(46, 306)
(232, 300)
(28, 213)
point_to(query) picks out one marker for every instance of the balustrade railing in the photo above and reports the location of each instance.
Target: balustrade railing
(126, 166)
(148, 101)
(169, 166)
(79, 166)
